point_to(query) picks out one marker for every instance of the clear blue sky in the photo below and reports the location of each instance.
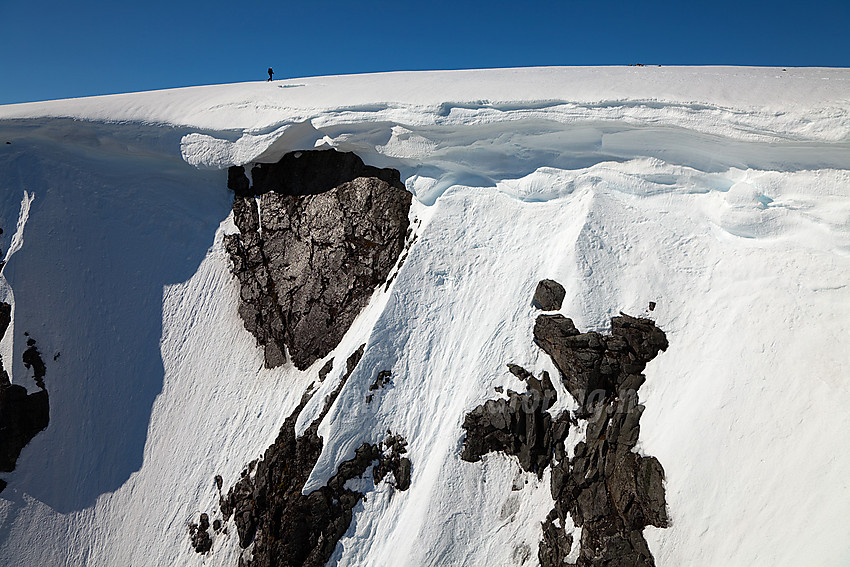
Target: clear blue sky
(59, 49)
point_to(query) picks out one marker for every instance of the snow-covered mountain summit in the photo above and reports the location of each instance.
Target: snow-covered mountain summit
(719, 195)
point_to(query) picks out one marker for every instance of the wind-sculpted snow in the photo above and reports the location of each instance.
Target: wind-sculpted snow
(736, 102)
(488, 151)
(721, 195)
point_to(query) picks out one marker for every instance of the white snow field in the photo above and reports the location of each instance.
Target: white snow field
(720, 193)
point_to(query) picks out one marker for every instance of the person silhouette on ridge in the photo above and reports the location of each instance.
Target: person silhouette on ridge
(271, 72)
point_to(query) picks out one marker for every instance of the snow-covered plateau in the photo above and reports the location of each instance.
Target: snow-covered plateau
(721, 195)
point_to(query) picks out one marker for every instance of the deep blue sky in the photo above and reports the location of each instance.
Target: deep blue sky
(59, 49)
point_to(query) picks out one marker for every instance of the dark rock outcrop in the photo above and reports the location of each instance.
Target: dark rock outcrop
(390, 460)
(268, 506)
(22, 415)
(549, 295)
(556, 544)
(326, 369)
(199, 534)
(519, 425)
(595, 367)
(607, 489)
(610, 491)
(319, 231)
(311, 172)
(286, 526)
(32, 359)
(382, 380)
(5, 315)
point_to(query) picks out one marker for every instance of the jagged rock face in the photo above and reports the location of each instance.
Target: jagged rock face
(608, 490)
(612, 492)
(593, 366)
(556, 544)
(518, 426)
(22, 415)
(269, 509)
(286, 526)
(391, 461)
(549, 295)
(326, 232)
(5, 314)
(200, 536)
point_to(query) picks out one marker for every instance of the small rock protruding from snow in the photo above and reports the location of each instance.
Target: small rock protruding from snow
(392, 462)
(200, 536)
(549, 295)
(326, 369)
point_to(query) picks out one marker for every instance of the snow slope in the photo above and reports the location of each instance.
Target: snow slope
(722, 194)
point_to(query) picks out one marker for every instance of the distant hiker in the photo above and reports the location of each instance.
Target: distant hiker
(271, 72)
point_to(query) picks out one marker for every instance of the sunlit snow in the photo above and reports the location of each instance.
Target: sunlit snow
(721, 194)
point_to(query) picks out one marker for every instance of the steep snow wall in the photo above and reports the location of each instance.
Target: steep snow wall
(722, 195)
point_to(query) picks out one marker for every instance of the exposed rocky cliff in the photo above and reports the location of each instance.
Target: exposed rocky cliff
(22, 415)
(318, 232)
(269, 510)
(608, 490)
(595, 367)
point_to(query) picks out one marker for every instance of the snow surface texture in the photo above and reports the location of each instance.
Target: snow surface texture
(722, 194)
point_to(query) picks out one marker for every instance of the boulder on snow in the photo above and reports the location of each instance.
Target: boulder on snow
(549, 295)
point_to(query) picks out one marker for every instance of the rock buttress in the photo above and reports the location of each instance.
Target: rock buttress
(594, 367)
(610, 491)
(318, 232)
(606, 488)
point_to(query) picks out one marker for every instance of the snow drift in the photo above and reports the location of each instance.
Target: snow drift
(720, 194)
